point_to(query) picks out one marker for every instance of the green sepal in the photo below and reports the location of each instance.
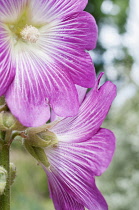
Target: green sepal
(37, 152)
(41, 136)
(3, 179)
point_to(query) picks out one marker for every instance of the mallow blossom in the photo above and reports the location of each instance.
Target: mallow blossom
(43, 54)
(83, 150)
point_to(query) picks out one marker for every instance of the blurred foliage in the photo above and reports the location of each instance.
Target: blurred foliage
(119, 18)
(112, 13)
(120, 183)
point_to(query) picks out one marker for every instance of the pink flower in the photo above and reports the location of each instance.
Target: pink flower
(43, 55)
(83, 150)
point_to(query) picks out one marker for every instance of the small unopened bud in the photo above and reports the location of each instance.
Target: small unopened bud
(3, 178)
(8, 121)
(12, 173)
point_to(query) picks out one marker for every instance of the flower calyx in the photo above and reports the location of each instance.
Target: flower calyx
(37, 152)
(37, 140)
(41, 136)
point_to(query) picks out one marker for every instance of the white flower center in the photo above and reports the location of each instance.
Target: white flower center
(30, 33)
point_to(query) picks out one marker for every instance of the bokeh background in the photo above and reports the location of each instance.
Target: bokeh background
(117, 54)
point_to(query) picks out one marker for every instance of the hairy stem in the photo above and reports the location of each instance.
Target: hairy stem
(5, 163)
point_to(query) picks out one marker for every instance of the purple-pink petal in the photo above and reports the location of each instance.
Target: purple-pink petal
(44, 73)
(37, 80)
(79, 29)
(74, 165)
(74, 190)
(81, 93)
(30, 115)
(91, 114)
(10, 10)
(46, 11)
(61, 199)
(66, 42)
(7, 66)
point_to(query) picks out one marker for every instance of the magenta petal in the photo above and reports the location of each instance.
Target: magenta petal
(80, 191)
(102, 147)
(78, 30)
(66, 42)
(81, 93)
(75, 164)
(91, 114)
(7, 68)
(77, 63)
(61, 199)
(37, 79)
(46, 11)
(30, 115)
(90, 156)
(93, 155)
(64, 98)
(11, 9)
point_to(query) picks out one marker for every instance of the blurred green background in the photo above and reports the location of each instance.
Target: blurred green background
(117, 55)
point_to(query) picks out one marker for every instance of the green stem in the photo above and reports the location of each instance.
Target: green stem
(4, 161)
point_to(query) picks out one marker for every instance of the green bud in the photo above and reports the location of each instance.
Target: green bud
(3, 178)
(41, 136)
(9, 122)
(12, 173)
(37, 152)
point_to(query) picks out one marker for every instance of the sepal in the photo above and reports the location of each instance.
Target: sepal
(37, 152)
(41, 136)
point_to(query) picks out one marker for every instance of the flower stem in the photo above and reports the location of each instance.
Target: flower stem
(5, 163)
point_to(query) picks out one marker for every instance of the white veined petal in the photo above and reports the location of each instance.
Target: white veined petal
(10, 10)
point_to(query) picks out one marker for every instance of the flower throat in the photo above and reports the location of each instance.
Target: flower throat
(22, 29)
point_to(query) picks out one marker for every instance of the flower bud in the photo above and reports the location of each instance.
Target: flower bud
(41, 136)
(3, 178)
(12, 173)
(9, 122)
(37, 139)
(37, 152)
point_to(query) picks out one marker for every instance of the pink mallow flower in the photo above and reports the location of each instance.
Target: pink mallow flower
(83, 150)
(43, 54)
